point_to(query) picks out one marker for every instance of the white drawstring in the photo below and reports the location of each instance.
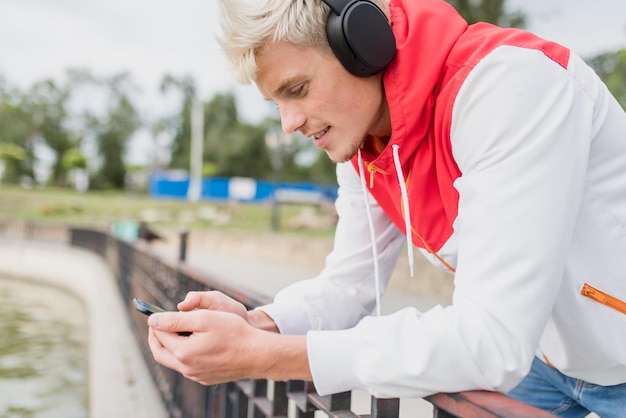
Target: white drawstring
(372, 232)
(407, 219)
(405, 204)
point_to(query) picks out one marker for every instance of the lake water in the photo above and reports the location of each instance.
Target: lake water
(43, 352)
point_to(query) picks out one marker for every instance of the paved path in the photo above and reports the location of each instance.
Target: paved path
(268, 278)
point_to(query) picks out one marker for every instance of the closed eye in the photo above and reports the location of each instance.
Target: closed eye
(297, 91)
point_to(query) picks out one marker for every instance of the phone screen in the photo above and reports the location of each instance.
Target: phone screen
(145, 307)
(148, 309)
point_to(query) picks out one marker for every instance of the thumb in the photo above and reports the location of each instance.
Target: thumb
(183, 323)
(169, 322)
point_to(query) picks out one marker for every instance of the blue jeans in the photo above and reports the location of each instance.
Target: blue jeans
(547, 388)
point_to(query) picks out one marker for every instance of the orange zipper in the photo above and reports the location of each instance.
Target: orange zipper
(429, 249)
(373, 170)
(603, 298)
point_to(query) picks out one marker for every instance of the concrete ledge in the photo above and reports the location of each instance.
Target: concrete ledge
(119, 382)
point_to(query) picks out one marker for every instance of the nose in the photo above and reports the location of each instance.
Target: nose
(291, 118)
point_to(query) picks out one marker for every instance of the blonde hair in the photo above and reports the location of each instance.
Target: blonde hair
(249, 25)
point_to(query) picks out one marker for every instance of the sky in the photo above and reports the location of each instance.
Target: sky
(149, 38)
(588, 27)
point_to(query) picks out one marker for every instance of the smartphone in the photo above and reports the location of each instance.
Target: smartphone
(145, 307)
(148, 309)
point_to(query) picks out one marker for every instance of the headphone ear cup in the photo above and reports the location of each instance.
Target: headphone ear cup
(361, 38)
(338, 42)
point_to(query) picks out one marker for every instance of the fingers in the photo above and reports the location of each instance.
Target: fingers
(159, 351)
(202, 300)
(207, 355)
(193, 300)
(199, 320)
(180, 355)
(212, 300)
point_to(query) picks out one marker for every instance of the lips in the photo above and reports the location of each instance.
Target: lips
(319, 137)
(321, 133)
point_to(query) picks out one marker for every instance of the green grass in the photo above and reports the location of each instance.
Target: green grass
(101, 209)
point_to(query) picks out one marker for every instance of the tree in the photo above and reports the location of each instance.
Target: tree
(234, 147)
(48, 106)
(73, 158)
(231, 148)
(13, 156)
(322, 170)
(16, 138)
(181, 123)
(114, 131)
(491, 11)
(611, 67)
(245, 153)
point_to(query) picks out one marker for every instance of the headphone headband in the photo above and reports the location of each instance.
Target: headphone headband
(336, 6)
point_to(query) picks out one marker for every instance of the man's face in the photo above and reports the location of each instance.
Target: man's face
(319, 98)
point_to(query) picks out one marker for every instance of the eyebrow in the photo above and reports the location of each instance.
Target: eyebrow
(285, 84)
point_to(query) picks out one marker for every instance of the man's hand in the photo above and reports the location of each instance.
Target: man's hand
(218, 301)
(224, 347)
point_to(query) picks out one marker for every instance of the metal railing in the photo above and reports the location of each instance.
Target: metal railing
(141, 274)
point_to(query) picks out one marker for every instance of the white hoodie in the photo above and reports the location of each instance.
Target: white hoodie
(522, 258)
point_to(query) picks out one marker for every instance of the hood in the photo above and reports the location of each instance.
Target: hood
(425, 31)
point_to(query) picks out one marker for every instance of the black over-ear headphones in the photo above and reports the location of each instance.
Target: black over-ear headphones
(360, 36)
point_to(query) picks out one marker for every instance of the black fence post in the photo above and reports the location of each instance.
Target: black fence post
(182, 248)
(385, 408)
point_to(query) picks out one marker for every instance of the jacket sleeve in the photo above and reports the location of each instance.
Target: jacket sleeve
(344, 291)
(521, 134)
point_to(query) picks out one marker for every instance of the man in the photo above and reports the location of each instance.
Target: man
(501, 156)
